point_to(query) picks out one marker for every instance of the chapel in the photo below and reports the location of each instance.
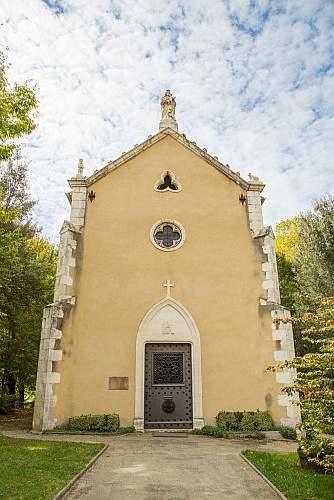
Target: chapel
(166, 294)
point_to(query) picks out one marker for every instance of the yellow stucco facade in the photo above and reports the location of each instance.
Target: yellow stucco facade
(111, 275)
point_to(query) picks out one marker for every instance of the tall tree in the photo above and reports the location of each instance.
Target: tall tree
(28, 264)
(285, 244)
(17, 104)
(28, 287)
(14, 184)
(286, 237)
(314, 256)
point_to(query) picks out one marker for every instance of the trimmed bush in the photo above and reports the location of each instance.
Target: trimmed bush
(263, 421)
(248, 422)
(7, 403)
(228, 421)
(288, 433)
(94, 423)
(244, 421)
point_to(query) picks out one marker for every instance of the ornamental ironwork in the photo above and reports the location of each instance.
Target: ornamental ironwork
(168, 368)
(168, 406)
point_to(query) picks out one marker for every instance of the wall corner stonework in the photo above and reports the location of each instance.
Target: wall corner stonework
(254, 208)
(282, 336)
(66, 260)
(49, 353)
(270, 282)
(79, 201)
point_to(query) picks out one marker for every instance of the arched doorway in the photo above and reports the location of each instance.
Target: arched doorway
(168, 329)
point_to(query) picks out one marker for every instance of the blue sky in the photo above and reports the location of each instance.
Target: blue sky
(252, 79)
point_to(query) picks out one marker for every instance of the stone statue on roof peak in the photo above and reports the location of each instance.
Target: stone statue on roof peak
(168, 105)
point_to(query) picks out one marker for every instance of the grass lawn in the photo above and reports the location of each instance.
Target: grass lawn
(284, 471)
(32, 470)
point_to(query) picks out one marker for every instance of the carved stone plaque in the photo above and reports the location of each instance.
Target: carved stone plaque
(118, 383)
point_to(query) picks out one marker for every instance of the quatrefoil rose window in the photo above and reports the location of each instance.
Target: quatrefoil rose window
(167, 182)
(167, 235)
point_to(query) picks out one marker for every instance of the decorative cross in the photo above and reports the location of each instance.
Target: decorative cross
(168, 285)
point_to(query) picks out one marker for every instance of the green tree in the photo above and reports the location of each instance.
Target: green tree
(9, 241)
(286, 237)
(17, 104)
(305, 255)
(27, 269)
(28, 287)
(315, 378)
(285, 244)
(313, 259)
(15, 189)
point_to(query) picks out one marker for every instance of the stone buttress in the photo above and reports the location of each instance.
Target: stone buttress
(282, 334)
(54, 313)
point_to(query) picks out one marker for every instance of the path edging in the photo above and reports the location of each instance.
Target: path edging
(279, 493)
(69, 485)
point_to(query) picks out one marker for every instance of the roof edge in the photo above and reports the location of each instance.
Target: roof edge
(182, 139)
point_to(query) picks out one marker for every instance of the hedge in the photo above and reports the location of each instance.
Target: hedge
(244, 421)
(94, 423)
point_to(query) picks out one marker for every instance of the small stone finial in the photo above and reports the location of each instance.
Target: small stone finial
(168, 105)
(253, 178)
(80, 169)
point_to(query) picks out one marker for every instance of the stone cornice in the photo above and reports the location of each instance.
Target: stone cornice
(76, 182)
(265, 231)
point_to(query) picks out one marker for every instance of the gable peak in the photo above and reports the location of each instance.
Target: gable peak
(168, 105)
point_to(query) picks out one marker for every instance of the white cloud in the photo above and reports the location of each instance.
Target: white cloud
(252, 82)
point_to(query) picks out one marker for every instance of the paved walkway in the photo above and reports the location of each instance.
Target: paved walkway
(143, 467)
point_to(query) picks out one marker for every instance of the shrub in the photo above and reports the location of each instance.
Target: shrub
(260, 435)
(7, 403)
(94, 423)
(244, 421)
(263, 421)
(248, 422)
(228, 420)
(126, 430)
(210, 430)
(319, 451)
(288, 433)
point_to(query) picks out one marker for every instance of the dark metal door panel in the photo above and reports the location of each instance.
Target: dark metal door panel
(168, 386)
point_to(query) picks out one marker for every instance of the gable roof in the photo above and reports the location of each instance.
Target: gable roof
(254, 184)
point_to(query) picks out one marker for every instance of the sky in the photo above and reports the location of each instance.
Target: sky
(253, 81)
